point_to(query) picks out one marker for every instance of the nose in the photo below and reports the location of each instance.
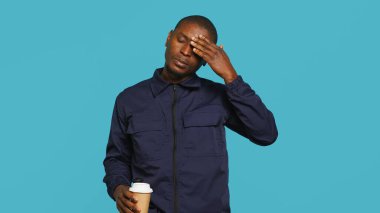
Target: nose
(186, 49)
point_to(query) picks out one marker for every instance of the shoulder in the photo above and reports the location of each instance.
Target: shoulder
(135, 89)
(132, 93)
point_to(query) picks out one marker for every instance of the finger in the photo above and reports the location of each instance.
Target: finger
(123, 201)
(210, 44)
(205, 51)
(200, 53)
(132, 206)
(206, 44)
(205, 54)
(200, 44)
(129, 196)
(123, 209)
(127, 202)
(200, 47)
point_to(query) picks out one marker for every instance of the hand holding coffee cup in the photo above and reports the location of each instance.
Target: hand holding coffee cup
(142, 193)
(125, 200)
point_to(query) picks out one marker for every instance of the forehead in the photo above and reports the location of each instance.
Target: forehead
(191, 29)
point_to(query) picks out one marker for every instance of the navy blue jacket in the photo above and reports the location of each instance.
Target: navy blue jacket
(173, 137)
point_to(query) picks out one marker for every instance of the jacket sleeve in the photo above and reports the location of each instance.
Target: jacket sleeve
(118, 152)
(248, 116)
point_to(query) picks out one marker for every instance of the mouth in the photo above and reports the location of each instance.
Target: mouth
(180, 62)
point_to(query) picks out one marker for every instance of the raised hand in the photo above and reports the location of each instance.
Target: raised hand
(215, 56)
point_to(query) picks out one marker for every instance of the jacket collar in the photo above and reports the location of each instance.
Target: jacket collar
(158, 84)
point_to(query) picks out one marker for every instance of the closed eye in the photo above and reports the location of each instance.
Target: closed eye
(181, 39)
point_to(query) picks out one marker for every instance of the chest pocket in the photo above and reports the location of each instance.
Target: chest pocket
(204, 134)
(148, 136)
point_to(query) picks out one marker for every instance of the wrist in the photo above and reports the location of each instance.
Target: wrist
(230, 78)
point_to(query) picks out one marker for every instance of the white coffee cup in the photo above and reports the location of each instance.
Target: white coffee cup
(142, 192)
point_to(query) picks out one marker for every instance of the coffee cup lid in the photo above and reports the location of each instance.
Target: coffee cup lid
(141, 188)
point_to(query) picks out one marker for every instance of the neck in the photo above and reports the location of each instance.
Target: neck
(172, 77)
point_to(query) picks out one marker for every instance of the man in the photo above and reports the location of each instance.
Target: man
(169, 130)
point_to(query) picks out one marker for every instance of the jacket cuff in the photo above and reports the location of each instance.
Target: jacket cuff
(239, 87)
(114, 182)
(235, 83)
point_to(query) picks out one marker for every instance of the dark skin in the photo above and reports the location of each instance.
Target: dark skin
(187, 48)
(125, 202)
(192, 44)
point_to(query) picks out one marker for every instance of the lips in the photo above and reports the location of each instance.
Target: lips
(180, 62)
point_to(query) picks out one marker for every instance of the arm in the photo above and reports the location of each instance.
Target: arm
(118, 152)
(248, 115)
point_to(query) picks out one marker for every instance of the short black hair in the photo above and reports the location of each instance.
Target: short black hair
(201, 21)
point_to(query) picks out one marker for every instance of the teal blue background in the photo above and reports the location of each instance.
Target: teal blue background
(315, 64)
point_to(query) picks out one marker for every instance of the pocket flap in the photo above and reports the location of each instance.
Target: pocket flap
(142, 123)
(202, 119)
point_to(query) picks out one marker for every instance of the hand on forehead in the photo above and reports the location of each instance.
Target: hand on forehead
(189, 30)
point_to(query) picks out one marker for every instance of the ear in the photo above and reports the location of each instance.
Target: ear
(168, 38)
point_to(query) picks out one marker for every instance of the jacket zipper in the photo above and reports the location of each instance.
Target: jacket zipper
(174, 150)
